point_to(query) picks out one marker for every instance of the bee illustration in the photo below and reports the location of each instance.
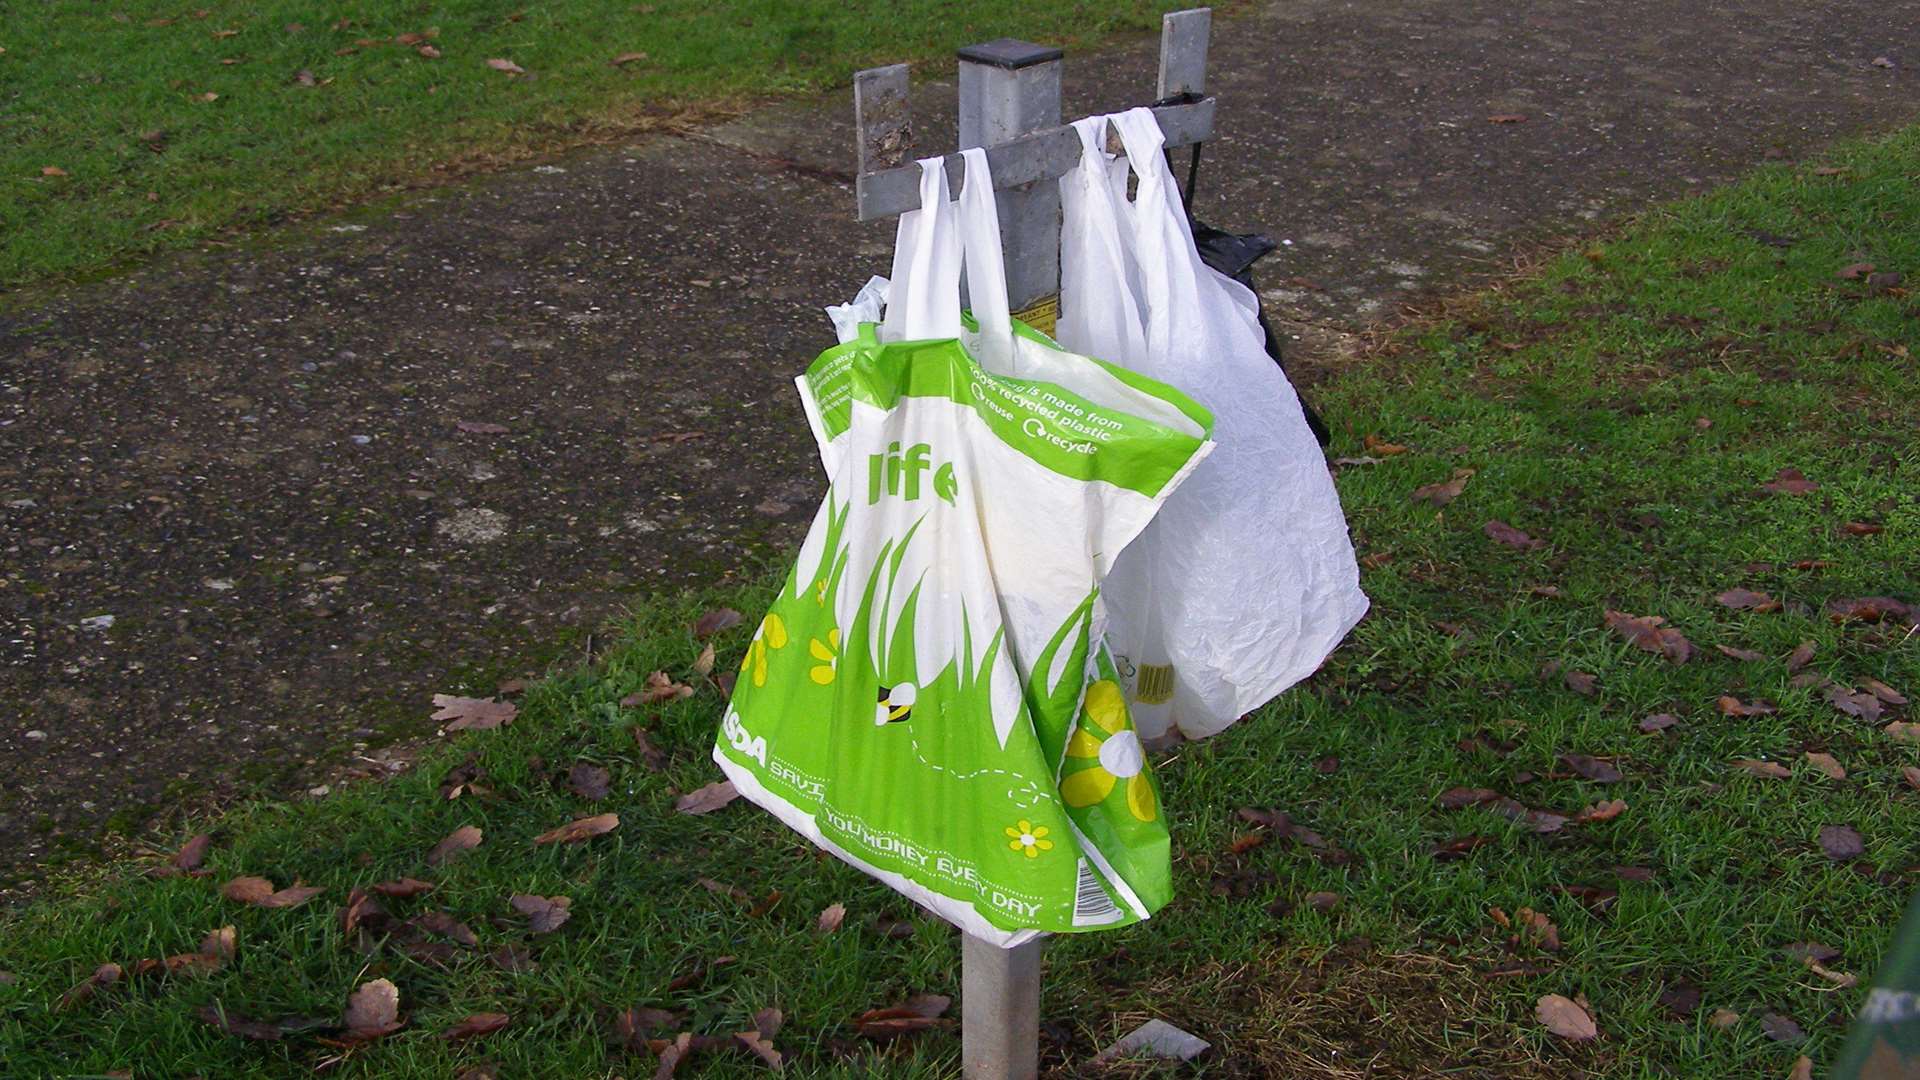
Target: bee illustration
(895, 704)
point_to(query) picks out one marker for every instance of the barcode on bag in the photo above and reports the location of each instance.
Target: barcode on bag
(1091, 905)
(1155, 684)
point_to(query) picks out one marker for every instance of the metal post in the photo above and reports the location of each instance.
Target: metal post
(999, 1010)
(1009, 88)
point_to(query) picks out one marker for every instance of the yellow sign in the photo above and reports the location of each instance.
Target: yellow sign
(1043, 314)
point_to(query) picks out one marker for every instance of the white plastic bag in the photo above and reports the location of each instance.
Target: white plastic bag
(1246, 580)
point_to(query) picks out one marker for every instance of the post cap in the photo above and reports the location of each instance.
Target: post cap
(1012, 54)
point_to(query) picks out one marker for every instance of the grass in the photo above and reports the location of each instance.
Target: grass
(1624, 405)
(316, 104)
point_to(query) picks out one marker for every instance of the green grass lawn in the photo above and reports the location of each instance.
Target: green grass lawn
(169, 124)
(1625, 409)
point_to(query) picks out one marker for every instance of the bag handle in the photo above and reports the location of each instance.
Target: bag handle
(979, 226)
(923, 297)
(1099, 276)
(1171, 274)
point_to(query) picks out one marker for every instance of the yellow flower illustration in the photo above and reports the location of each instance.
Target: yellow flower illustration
(828, 653)
(1106, 736)
(772, 635)
(1029, 838)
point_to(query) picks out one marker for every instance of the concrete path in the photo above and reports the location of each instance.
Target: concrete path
(275, 470)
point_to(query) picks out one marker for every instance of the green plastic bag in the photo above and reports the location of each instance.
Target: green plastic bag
(929, 697)
(1885, 1043)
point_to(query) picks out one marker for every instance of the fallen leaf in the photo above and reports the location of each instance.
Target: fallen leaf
(52, 170)
(1882, 62)
(1790, 482)
(830, 918)
(631, 1027)
(512, 958)
(222, 943)
(1374, 444)
(544, 913)
(1540, 821)
(1506, 534)
(1584, 683)
(1733, 706)
(627, 58)
(403, 888)
(103, 976)
(1746, 656)
(915, 1015)
(1800, 657)
(507, 66)
(462, 839)
(1900, 731)
(1455, 798)
(1507, 118)
(1601, 811)
(259, 1030)
(361, 909)
(480, 427)
(1723, 1018)
(1884, 692)
(188, 859)
(1842, 843)
(575, 831)
(1826, 763)
(303, 77)
(442, 924)
(715, 621)
(1747, 600)
(1680, 998)
(1854, 271)
(221, 34)
(473, 714)
(1771, 770)
(478, 1024)
(1658, 722)
(209, 96)
(650, 755)
(1781, 1028)
(659, 688)
(1459, 847)
(259, 892)
(1633, 873)
(1811, 951)
(707, 799)
(1862, 528)
(1802, 1068)
(1647, 634)
(373, 1012)
(1843, 980)
(1855, 703)
(1561, 1016)
(1442, 493)
(1599, 770)
(427, 51)
(759, 1040)
(703, 664)
(587, 780)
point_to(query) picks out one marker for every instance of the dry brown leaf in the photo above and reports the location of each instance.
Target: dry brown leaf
(1842, 843)
(463, 839)
(1841, 979)
(703, 664)
(361, 908)
(508, 66)
(427, 52)
(1733, 706)
(1601, 811)
(259, 892)
(1563, 1017)
(1912, 776)
(103, 976)
(1855, 703)
(830, 918)
(1658, 722)
(403, 888)
(1790, 482)
(1647, 634)
(1723, 1018)
(1854, 271)
(917, 1014)
(650, 755)
(1747, 600)
(1884, 692)
(1800, 657)
(373, 1011)
(1802, 1068)
(1827, 763)
(587, 780)
(1869, 609)
(1374, 444)
(485, 1023)
(1455, 798)
(1598, 770)
(222, 943)
(1745, 656)
(660, 687)
(707, 799)
(1442, 493)
(473, 714)
(575, 831)
(1900, 731)
(1771, 770)
(627, 58)
(52, 170)
(1506, 534)
(544, 913)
